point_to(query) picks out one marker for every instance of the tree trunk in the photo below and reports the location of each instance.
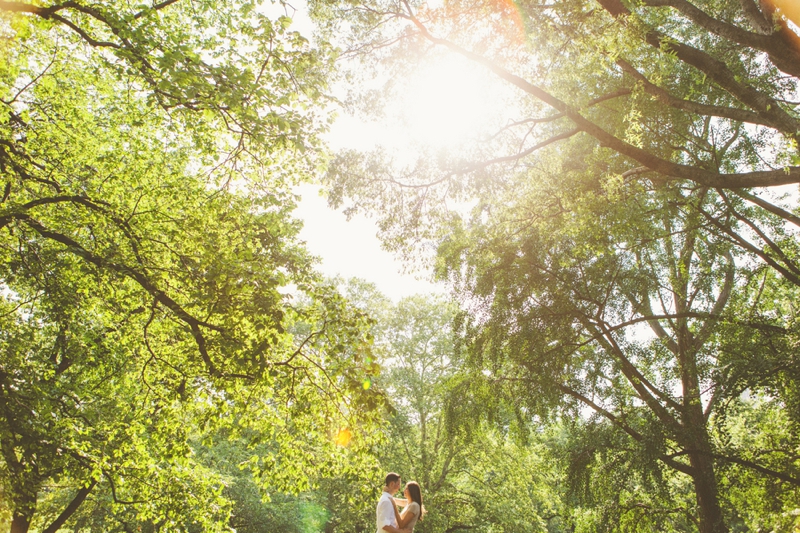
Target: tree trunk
(23, 507)
(695, 439)
(698, 444)
(21, 522)
(705, 487)
(71, 508)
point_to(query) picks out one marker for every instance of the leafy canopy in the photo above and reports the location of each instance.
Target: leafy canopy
(153, 286)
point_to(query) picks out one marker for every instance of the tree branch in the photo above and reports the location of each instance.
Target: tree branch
(51, 13)
(719, 305)
(772, 208)
(85, 36)
(749, 464)
(756, 17)
(156, 7)
(780, 55)
(718, 71)
(140, 278)
(516, 157)
(769, 242)
(680, 467)
(76, 502)
(641, 384)
(655, 325)
(663, 96)
(747, 245)
(651, 161)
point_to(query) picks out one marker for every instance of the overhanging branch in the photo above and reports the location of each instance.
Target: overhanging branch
(141, 279)
(782, 56)
(663, 96)
(766, 107)
(680, 467)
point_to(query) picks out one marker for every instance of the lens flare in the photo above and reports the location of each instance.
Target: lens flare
(343, 437)
(788, 8)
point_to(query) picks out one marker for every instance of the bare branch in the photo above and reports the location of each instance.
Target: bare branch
(516, 157)
(156, 7)
(772, 208)
(756, 17)
(663, 96)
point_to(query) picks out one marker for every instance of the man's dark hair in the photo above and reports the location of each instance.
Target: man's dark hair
(391, 477)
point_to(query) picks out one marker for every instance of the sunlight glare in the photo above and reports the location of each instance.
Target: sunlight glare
(448, 102)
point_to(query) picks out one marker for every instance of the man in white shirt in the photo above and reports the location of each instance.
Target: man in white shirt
(386, 521)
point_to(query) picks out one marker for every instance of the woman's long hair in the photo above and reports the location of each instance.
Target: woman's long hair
(416, 496)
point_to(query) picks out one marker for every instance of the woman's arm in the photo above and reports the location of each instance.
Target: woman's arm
(402, 502)
(405, 518)
(397, 515)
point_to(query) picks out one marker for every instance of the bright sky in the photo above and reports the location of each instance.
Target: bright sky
(351, 249)
(447, 102)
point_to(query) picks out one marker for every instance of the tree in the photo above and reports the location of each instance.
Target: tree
(687, 77)
(511, 482)
(150, 268)
(661, 90)
(478, 472)
(416, 342)
(256, 509)
(562, 285)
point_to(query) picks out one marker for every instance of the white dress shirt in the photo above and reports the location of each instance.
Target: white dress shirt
(384, 514)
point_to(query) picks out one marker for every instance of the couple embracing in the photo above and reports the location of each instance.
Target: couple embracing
(389, 519)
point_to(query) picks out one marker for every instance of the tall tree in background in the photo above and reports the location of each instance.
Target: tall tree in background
(148, 260)
(474, 475)
(634, 310)
(416, 341)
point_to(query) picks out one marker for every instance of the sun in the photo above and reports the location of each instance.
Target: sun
(445, 102)
(450, 101)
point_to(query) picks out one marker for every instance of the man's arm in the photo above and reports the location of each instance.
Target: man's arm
(402, 502)
(392, 529)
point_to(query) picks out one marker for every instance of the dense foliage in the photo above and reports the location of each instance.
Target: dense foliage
(152, 285)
